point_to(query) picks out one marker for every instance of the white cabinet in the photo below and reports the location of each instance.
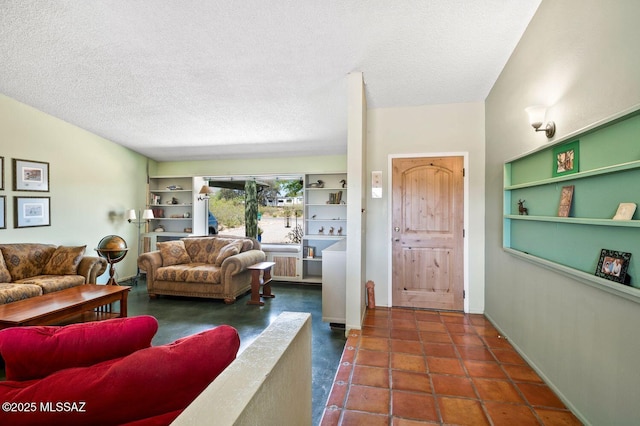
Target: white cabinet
(334, 282)
(325, 219)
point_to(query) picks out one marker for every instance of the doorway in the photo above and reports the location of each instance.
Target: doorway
(427, 220)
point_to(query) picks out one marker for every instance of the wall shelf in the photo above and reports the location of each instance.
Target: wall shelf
(578, 220)
(572, 245)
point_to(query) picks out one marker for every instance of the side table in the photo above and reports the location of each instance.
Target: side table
(260, 276)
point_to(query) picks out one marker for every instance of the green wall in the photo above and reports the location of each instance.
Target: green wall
(579, 58)
(92, 182)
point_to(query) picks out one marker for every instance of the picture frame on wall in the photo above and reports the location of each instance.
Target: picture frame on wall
(566, 159)
(31, 212)
(30, 175)
(3, 212)
(1, 173)
(613, 265)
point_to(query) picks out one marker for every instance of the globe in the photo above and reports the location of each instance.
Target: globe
(113, 248)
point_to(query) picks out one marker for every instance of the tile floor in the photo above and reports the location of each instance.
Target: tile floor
(414, 367)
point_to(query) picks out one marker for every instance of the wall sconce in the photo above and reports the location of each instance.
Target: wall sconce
(146, 215)
(536, 117)
(204, 192)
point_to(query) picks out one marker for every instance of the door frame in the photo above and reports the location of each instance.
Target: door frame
(465, 261)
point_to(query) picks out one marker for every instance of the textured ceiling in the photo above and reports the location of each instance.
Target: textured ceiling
(183, 80)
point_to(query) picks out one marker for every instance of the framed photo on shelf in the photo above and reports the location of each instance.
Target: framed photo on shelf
(613, 265)
(566, 196)
(625, 211)
(31, 211)
(30, 175)
(3, 212)
(566, 159)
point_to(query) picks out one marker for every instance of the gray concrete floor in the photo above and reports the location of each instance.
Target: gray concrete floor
(179, 317)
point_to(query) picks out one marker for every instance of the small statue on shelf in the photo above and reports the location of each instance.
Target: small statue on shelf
(344, 183)
(340, 231)
(522, 210)
(321, 230)
(331, 230)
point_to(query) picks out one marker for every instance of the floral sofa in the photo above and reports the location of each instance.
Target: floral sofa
(212, 267)
(32, 269)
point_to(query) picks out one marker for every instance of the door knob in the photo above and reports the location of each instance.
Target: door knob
(397, 229)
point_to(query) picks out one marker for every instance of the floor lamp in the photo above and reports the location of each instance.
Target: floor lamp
(144, 219)
(204, 194)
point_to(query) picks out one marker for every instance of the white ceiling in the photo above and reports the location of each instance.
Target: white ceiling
(186, 80)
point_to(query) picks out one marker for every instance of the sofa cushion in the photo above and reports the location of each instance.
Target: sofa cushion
(37, 351)
(147, 383)
(228, 251)
(51, 283)
(5, 276)
(247, 245)
(193, 272)
(199, 249)
(64, 261)
(26, 260)
(173, 253)
(12, 292)
(218, 245)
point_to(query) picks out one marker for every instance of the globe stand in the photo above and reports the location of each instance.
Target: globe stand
(113, 249)
(108, 255)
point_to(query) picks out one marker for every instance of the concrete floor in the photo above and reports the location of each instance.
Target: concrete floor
(179, 317)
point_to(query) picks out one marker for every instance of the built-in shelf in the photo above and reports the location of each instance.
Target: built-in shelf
(572, 245)
(578, 220)
(580, 175)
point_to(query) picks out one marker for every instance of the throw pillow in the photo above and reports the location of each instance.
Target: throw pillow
(5, 276)
(173, 253)
(37, 351)
(147, 383)
(26, 260)
(64, 261)
(228, 251)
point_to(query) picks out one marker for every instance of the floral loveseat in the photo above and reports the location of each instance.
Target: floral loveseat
(212, 267)
(32, 269)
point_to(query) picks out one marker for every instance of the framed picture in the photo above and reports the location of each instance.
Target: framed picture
(566, 159)
(30, 175)
(31, 212)
(566, 196)
(1, 173)
(613, 265)
(3, 212)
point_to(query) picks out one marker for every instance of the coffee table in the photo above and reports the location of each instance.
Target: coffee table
(87, 302)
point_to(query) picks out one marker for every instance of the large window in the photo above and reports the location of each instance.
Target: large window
(280, 207)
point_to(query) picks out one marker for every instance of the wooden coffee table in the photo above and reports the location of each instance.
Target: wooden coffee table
(88, 302)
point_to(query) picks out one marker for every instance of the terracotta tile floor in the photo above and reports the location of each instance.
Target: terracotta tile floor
(414, 367)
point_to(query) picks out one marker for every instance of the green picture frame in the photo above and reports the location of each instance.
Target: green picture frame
(566, 159)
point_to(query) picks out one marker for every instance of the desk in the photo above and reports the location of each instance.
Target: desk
(264, 269)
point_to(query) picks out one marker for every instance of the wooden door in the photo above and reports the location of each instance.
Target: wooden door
(427, 232)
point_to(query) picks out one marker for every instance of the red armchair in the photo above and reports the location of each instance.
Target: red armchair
(106, 372)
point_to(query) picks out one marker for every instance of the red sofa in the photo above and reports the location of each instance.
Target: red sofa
(107, 372)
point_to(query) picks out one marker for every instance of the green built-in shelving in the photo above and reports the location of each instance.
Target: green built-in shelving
(609, 174)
